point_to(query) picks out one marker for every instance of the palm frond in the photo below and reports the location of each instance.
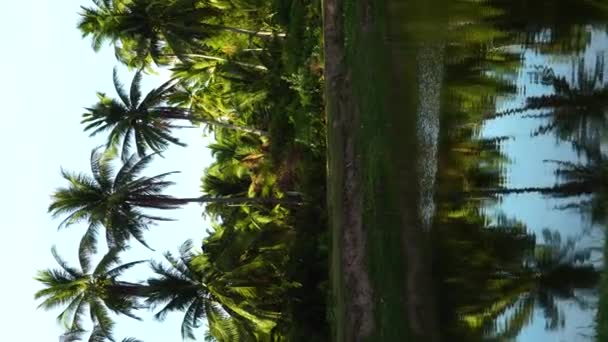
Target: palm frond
(70, 317)
(101, 168)
(110, 259)
(118, 270)
(192, 319)
(135, 91)
(120, 89)
(88, 246)
(64, 265)
(100, 317)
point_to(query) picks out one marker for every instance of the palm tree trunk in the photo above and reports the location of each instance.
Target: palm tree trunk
(219, 59)
(169, 202)
(261, 34)
(170, 113)
(235, 200)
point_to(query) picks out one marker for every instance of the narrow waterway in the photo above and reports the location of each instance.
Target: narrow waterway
(535, 144)
(518, 227)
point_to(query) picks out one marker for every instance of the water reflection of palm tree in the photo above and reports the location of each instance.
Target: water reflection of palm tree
(578, 108)
(602, 314)
(595, 174)
(557, 271)
(475, 259)
(576, 179)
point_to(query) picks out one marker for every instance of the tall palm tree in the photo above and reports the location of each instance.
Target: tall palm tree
(190, 285)
(147, 120)
(97, 289)
(116, 200)
(146, 29)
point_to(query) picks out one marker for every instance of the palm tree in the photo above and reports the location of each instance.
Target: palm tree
(96, 288)
(190, 285)
(115, 201)
(146, 29)
(226, 329)
(147, 120)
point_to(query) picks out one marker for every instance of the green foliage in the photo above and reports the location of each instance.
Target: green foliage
(97, 289)
(234, 297)
(514, 272)
(147, 120)
(143, 31)
(261, 273)
(112, 200)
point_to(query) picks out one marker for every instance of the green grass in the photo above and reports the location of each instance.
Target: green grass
(367, 57)
(379, 147)
(335, 173)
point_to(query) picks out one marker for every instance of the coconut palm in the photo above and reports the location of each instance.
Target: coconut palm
(97, 289)
(145, 30)
(190, 285)
(146, 119)
(226, 329)
(115, 201)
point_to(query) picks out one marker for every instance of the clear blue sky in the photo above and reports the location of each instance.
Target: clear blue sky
(49, 75)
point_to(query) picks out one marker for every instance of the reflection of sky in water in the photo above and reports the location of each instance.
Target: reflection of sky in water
(576, 325)
(575, 313)
(527, 169)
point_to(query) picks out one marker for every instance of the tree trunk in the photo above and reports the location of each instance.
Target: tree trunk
(169, 202)
(170, 113)
(235, 200)
(261, 34)
(219, 59)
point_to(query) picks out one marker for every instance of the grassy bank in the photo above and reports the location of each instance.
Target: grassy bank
(372, 179)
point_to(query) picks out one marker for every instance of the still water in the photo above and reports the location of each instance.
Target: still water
(512, 112)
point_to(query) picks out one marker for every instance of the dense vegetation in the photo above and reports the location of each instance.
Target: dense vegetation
(251, 72)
